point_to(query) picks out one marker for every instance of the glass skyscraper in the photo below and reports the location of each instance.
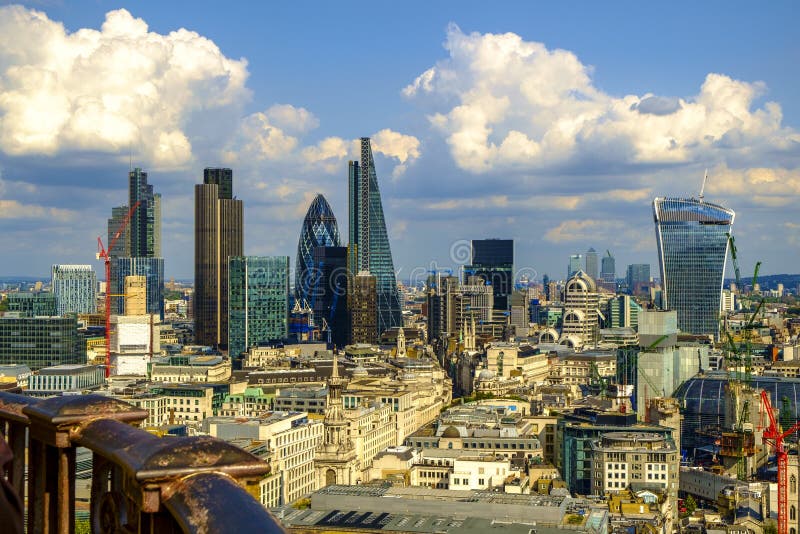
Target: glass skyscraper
(369, 241)
(329, 297)
(319, 230)
(75, 288)
(144, 227)
(40, 341)
(153, 271)
(692, 238)
(493, 262)
(258, 307)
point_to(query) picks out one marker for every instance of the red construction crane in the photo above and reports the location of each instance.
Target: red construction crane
(773, 434)
(103, 254)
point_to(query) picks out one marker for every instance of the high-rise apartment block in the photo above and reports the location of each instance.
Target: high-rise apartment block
(493, 262)
(218, 236)
(369, 249)
(75, 288)
(319, 230)
(258, 306)
(692, 237)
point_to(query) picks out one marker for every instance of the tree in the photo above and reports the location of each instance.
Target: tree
(690, 504)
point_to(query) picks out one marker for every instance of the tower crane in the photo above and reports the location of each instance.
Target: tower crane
(103, 254)
(773, 435)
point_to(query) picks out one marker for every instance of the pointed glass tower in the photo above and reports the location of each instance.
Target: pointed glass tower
(319, 230)
(369, 241)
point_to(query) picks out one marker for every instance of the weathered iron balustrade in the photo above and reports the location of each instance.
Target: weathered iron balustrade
(140, 483)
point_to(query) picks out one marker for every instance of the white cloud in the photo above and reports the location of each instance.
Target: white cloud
(12, 209)
(291, 119)
(760, 185)
(108, 90)
(505, 103)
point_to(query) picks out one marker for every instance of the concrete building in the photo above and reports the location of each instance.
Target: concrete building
(135, 295)
(65, 379)
(291, 438)
(511, 359)
(581, 307)
(180, 369)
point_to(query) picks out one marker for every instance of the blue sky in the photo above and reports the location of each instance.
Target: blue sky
(553, 124)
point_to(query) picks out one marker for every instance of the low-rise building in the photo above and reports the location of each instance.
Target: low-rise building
(191, 368)
(65, 379)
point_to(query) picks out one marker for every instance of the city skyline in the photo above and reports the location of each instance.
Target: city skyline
(444, 176)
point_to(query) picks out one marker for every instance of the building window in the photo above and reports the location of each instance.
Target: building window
(793, 484)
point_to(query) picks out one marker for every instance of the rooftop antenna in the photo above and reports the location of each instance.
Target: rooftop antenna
(703, 188)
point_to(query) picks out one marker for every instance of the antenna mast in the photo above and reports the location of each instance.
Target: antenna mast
(703, 187)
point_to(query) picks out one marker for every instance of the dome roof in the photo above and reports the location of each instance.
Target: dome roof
(486, 374)
(451, 432)
(582, 282)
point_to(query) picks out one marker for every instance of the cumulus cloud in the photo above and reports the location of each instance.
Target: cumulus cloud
(266, 136)
(12, 209)
(515, 104)
(760, 185)
(108, 90)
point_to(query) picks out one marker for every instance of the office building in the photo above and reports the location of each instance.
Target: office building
(441, 292)
(692, 237)
(152, 269)
(218, 236)
(40, 341)
(75, 288)
(137, 247)
(330, 295)
(638, 278)
(493, 262)
(623, 311)
(42, 303)
(258, 306)
(608, 268)
(118, 234)
(575, 264)
(362, 297)
(144, 228)
(581, 301)
(66, 379)
(369, 248)
(591, 264)
(319, 230)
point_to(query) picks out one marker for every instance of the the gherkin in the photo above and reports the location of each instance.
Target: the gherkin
(319, 230)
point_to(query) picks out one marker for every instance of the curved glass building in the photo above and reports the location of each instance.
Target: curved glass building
(692, 238)
(319, 230)
(702, 399)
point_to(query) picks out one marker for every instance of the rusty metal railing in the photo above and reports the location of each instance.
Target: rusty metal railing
(140, 483)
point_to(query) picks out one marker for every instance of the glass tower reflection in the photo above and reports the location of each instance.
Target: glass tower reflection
(692, 238)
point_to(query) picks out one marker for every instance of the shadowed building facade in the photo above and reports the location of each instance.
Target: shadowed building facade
(319, 230)
(692, 238)
(218, 236)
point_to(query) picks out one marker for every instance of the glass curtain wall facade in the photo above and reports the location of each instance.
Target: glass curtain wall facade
(122, 246)
(369, 241)
(329, 300)
(258, 306)
(144, 228)
(608, 269)
(493, 262)
(153, 271)
(319, 230)
(32, 304)
(75, 288)
(40, 341)
(692, 238)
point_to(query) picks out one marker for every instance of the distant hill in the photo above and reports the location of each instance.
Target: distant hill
(771, 281)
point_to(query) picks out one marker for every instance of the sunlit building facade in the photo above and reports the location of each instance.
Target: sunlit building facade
(692, 238)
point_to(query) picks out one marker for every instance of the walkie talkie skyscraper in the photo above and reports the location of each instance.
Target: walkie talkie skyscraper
(692, 238)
